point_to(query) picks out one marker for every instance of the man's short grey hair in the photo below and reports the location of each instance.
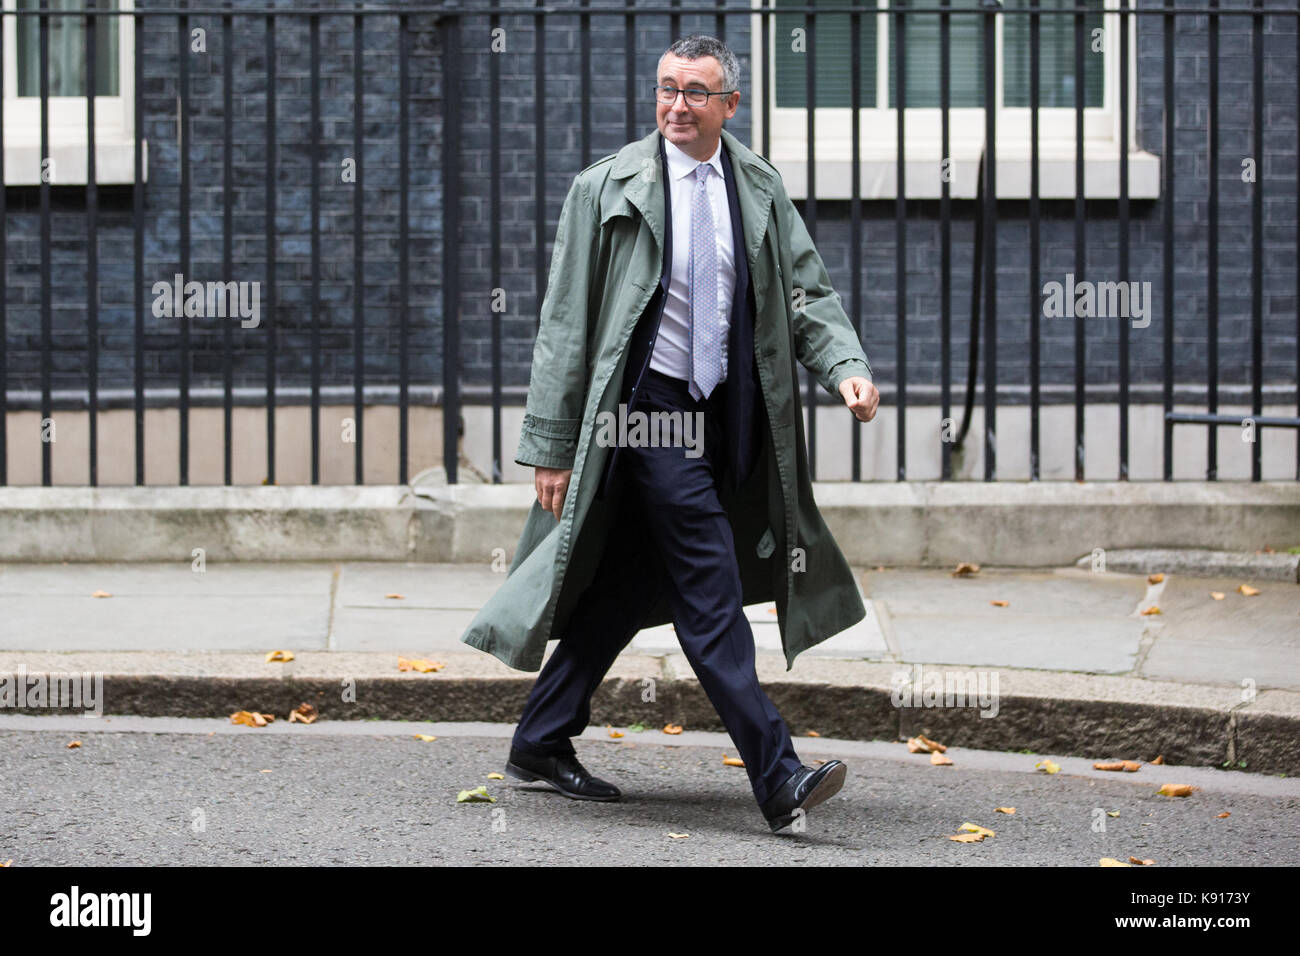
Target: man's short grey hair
(697, 45)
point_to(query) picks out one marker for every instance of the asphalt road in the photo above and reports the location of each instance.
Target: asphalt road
(203, 792)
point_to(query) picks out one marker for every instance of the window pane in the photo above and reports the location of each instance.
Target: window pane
(831, 57)
(965, 58)
(1055, 57)
(67, 51)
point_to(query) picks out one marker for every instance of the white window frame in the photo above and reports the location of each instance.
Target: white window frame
(114, 120)
(922, 131)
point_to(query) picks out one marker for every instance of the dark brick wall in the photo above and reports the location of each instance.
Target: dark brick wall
(564, 157)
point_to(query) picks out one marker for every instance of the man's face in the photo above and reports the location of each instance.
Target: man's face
(694, 130)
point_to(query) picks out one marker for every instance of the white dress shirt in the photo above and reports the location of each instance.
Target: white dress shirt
(672, 354)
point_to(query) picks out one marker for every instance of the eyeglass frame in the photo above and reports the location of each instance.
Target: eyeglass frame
(707, 93)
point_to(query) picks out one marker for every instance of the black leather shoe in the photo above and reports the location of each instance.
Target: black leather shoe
(563, 772)
(804, 790)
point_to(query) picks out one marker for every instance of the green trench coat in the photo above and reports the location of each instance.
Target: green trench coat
(605, 267)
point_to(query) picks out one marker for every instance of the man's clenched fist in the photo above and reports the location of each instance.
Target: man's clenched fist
(552, 485)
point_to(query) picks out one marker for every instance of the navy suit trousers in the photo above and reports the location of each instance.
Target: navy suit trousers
(670, 532)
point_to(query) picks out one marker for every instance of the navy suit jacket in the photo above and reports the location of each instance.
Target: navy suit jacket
(744, 413)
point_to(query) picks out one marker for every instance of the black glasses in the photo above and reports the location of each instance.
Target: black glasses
(668, 95)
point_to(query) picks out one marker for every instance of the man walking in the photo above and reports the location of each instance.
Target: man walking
(678, 213)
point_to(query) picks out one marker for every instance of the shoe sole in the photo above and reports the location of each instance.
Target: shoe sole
(826, 788)
(519, 773)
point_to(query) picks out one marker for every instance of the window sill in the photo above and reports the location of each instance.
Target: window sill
(922, 171)
(114, 160)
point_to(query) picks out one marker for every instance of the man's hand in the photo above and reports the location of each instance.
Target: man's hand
(861, 397)
(552, 484)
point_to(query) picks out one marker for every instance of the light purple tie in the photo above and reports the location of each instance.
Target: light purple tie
(706, 333)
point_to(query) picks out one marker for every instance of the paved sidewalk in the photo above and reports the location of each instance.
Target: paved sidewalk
(1068, 665)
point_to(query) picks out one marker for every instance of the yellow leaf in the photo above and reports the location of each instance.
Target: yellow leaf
(1112, 813)
(614, 733)
(976, 828)
(73, 743)
(1217, 595)
(673, 729)
(1000, 603)
(1004, 809)
(732, 761)
(813, 733)
(1155, 578)
(1153, 609)
(478, 795)
(967, 837)
(1247, 590)
(6, 862)
(395, 596)
(678, 836)
(279, 656)
(1134, 860)
(496, 776)
(1177, 789)
(424, 737)
(101, 594)
(939, 760)
(1048, 766)
(1111, 861)
(419, 664)
(248, 718)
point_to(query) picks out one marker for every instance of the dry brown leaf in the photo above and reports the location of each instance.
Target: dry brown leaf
(304, 713)
(1225, 813)
(1111, 861)
(1177, 789)
(921, 744)
(1000, 603)
(1153, 609)
(965, 568)
(813, 733)
(1155, 578)
(250, 718)
(732, 761)
(1127, 765)
(673, 728)
(101, 594)
(419, 664)
(939, 760)
(1247, 590)
(1160, 759)
(1134, 860)
(967, 837)
(1004, 809)
(73, 743)
(394, 596)
(1217, 595)
(279, 656)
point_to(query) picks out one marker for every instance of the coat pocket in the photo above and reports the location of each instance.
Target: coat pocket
(766, 544)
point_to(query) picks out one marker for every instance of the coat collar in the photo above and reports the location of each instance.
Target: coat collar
(755, 183)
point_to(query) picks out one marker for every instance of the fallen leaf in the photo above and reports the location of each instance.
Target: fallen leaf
(1138, 862)
(419, 664)
(939, 760)
(304, 713)
(1225, 813)
(279, 656)
(1004, 809)
(101, 594)
(1153, 609)
(1247, 590)
(976, 828)
(424, 737)
(1177, 789)
(673, 729)
(6, 862)
(73, 743)
(1158, 761)
(478, 795)
(964, 568)
(818, 763)
(263, 771)
(1128, 765)
(394, 596)
(813, 733)
(732, 761)
(251, 718)
(1112, 813)
(496, 776)
(1000, 603)
(921, 744)
(1111, 861)
(1048, 766)
(612, 732)
(678, 836)
(1155, 578)
(967, 837)
(1217, 595)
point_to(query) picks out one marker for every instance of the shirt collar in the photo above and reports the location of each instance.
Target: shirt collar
(680, 164)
